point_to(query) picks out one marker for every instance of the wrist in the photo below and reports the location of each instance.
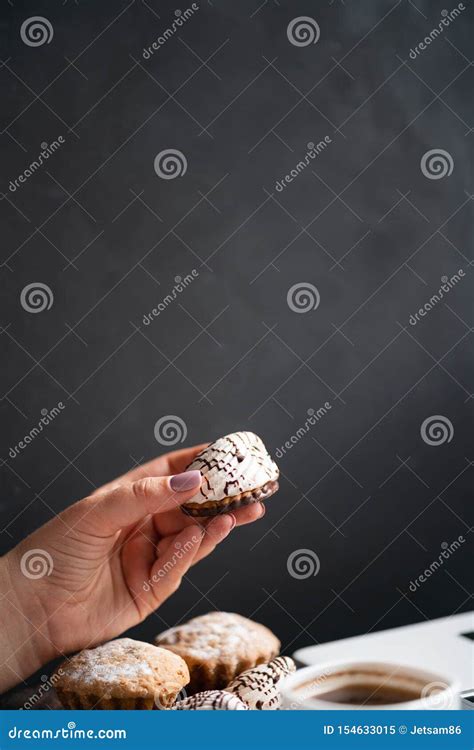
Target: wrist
(24, 646)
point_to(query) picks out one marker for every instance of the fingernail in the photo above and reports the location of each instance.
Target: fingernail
(234, 521)
(188, 480)
(263, 511)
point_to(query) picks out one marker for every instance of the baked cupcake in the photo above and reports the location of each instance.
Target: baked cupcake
(236, 470)
(122, 674)
(219, 646)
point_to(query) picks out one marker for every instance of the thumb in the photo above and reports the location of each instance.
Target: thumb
(109, 512)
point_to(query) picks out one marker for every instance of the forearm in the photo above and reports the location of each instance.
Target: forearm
(23, 646)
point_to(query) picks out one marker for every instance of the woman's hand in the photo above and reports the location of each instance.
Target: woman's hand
(104, 564)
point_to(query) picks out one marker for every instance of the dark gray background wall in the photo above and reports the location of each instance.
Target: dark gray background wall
(363, 224)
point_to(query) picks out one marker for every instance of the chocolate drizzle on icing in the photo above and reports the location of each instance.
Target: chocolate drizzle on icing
(211, 700)
(233, 468)
(258, 687)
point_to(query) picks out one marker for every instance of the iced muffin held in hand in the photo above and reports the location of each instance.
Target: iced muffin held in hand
(236, 470)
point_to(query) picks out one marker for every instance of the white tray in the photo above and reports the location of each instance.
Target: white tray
(436, 645)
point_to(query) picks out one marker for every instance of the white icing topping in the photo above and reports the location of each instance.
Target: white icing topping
(258, 687)
(233, 464)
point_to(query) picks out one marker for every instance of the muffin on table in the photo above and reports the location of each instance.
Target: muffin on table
(219, 646)
(122, 674)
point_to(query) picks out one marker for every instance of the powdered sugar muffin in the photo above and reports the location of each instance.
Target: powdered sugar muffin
(122, 674)
(218, 646)
(236, 470)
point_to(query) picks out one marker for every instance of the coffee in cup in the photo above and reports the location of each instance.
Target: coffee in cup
(366, 685)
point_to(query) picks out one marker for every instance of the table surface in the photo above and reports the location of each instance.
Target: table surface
(436, 645)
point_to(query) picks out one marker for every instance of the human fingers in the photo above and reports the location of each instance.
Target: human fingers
(111, 511)
(173, 521)
(174, 462)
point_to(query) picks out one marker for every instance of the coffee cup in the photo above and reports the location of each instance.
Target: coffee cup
(367, 685)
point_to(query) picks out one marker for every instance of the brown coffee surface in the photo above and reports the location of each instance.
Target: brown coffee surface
(364, 694)
(359, 687)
